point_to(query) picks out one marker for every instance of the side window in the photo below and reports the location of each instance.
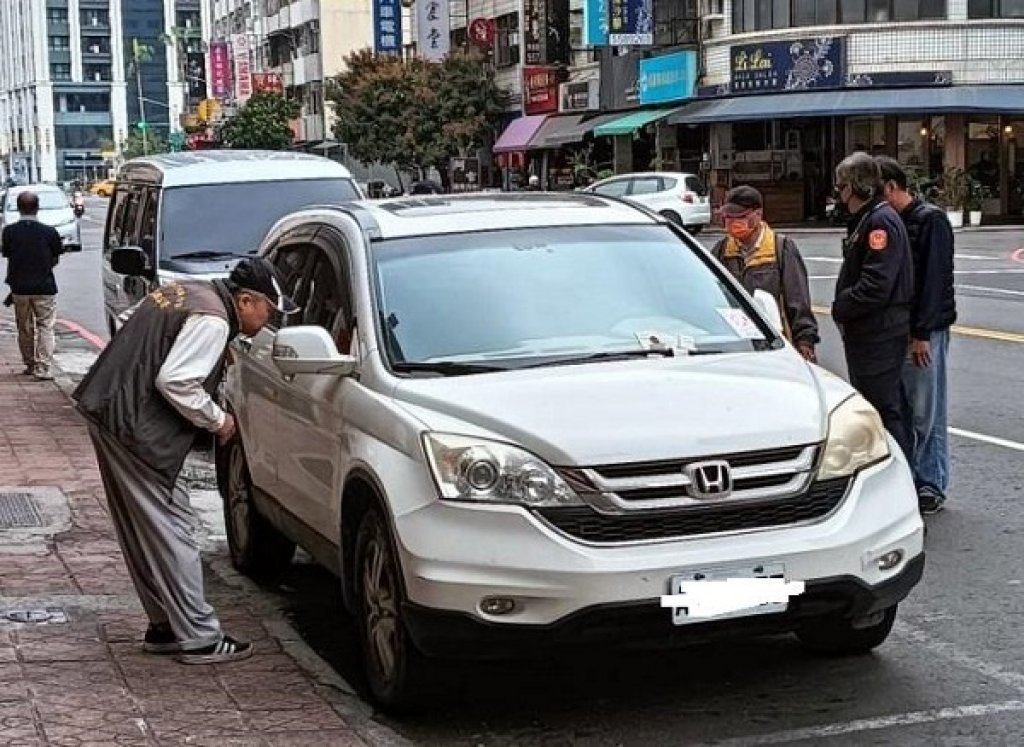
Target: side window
(147, 223)
(324, 298)
(613, 189)
(125, 211)
(646, 185)
(693, 184)
(292, 262)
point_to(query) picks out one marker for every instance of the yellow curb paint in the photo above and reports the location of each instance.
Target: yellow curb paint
(979, 332)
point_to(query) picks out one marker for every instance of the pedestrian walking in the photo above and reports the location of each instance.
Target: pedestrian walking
(32, 250)
(146, 398)
(874, 293)
(932, 314)
(762, 259)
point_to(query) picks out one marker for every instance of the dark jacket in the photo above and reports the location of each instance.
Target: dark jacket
(32, 250)
(119, 393)
(780, 271)
(876, 281)
(931, 244)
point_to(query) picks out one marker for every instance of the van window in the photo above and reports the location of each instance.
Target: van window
(236, 217)
(124, 217)
(147, 224)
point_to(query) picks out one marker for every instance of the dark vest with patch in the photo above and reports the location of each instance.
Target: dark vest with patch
(119, 394)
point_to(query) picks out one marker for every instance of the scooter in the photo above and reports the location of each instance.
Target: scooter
(78, 203)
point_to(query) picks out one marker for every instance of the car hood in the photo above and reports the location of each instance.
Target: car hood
(638, 410)
(57, 217)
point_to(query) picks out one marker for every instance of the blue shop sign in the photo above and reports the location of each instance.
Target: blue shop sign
(595, 23)
(671, 77)
(387, 27)
(798, 65)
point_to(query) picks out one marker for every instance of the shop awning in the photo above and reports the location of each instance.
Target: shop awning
(863, 102)
(518, 134)
(629, 123)
(576, 133)
(551, 133)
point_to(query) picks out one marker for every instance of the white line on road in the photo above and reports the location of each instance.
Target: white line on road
(911, 718)
(994, 440)
(974, 257)
(986, 289)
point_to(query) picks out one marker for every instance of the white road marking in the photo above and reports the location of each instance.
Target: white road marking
(994, 440)
(951, 653)
(973, 257)
(986, 289)
(910, 718)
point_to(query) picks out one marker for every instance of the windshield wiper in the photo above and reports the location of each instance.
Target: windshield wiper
(210, 254)
(445, 368)
(607, 355)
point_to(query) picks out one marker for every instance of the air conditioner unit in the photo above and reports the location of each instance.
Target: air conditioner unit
(713, 10)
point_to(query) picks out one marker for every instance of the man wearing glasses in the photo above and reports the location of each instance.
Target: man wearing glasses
(874, 294)
(146, 398)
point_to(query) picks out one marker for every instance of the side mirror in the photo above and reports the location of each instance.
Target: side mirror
(310, 350)
(766, 302)
(129, 260)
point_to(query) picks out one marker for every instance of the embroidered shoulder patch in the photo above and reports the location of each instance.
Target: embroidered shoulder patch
(878, 239)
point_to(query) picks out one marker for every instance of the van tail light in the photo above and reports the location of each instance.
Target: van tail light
(689, 197)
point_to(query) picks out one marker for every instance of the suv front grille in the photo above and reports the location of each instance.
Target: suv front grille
(674, 466)
(584, 523)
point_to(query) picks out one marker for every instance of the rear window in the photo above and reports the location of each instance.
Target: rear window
(236, 217)
(693, 184)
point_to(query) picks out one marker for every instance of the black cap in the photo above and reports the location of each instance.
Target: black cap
(740, 201)
(259, 275)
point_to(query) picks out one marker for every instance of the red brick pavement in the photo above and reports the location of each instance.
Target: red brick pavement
(86, 681)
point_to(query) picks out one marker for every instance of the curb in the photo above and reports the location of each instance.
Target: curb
(328, 683)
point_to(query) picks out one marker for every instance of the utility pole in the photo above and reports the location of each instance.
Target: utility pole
(137, 55)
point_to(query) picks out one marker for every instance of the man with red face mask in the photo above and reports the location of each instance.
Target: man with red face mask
(763, 260)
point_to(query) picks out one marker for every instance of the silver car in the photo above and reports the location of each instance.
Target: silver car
(54, 210)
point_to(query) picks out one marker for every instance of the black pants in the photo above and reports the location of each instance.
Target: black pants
(876, 370)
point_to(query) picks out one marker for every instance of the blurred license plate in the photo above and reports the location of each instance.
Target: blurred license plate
(680, 584)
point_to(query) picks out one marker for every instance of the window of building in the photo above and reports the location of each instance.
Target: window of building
(995, 9)
(95, 18)
(866, 134)
(57, 15)
(983, 153)
(82, 102)
(60, 71)
(60, 44)
(911, 151)
(761, 15)
(96, 44)
(96, 73)
(506, 48)
(675, 22)
(81, 136)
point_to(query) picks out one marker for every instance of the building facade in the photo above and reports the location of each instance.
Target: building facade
(68, 92)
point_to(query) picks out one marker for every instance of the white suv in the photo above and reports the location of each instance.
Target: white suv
(512, 421)
(679, 197)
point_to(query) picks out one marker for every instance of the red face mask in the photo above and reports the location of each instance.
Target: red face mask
(741, 230)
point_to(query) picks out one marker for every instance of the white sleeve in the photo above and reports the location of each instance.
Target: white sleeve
(195, 353)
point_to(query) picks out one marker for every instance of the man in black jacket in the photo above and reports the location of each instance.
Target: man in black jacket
(874, 294)
(32, 250)
(146, 398)
(932, 314)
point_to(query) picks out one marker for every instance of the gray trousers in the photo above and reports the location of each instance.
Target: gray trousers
(155, 529)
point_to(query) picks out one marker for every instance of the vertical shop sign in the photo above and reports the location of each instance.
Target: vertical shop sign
(534, 22)
(387, 27)
(243, 69)
(595, 23)
(220, 70)
(432, 29)
(631, 23)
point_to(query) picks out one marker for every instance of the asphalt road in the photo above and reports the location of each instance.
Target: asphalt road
(951, 674)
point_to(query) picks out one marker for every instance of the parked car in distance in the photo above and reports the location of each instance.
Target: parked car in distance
(511, 422)
(102, 188)
(197, 213)
(55, 210)
(681, 198)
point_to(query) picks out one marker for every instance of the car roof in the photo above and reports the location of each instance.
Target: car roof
(670, 174)
(194, 168)
(37, 188)
(445, 214)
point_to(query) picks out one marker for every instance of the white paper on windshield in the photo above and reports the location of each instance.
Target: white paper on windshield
(741, 324)
(653, 340)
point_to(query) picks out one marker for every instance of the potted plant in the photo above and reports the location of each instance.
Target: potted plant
(976, 194)
(953, 194)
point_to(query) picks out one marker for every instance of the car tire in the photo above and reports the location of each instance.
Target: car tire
(695, 229)
(834, 636)
(258, 549)
(396, 671)
(673, 216)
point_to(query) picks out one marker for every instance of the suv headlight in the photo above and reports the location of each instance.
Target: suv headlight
(856, 439)
(466, 468)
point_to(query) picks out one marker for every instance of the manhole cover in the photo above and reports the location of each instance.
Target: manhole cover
(18, 510)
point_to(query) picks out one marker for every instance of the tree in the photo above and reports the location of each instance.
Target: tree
(261, 124)
(139, 143)
(412, 113)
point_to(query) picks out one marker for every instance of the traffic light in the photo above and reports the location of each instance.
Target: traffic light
(143, 126)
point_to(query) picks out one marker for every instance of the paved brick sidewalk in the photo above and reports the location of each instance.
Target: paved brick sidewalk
(80, 678)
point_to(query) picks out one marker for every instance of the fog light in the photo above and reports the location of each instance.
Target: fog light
(497, 605)
(890, 560)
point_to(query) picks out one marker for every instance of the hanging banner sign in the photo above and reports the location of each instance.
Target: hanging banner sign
(631, 23)
(220, 70)
(387, 27)
(432, 25)
(595, 23)
(243, 68)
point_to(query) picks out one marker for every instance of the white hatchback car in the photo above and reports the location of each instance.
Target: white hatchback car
(514, 421)
(54, 210)
(679, 197)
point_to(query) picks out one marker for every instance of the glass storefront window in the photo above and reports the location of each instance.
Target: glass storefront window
(983, 153)
(866, 134)
(936, 147)
(1014, 134)
(910, 148)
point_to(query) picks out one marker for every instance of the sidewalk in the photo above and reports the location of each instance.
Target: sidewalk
(71, 668)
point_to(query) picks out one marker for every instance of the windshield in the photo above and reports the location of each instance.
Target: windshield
(234, 218)
(48, 200)
(515, 298)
